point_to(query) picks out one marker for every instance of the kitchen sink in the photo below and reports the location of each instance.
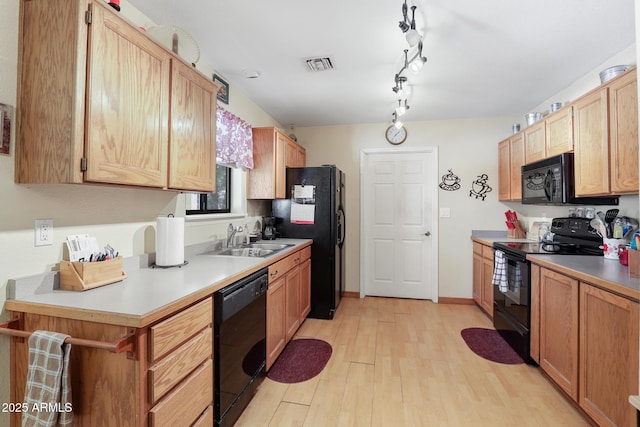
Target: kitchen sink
(259, 250)
(269, 246)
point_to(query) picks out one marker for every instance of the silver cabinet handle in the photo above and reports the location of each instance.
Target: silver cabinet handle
(428, 233)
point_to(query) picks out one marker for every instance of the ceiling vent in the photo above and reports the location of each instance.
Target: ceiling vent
(318, 64)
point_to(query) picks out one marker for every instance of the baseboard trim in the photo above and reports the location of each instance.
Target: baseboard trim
(462, 301)
(348, 294)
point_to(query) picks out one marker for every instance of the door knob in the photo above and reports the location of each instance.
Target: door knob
(428, 233)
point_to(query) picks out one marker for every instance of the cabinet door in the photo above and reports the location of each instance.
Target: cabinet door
(305, 289)
(559, 132)
(280, 169)
(591, 144)
(128, 104)
(535, 142)
(534, 326)
(267, 179)
(487, 286)
(623, 128)
(293, 302)
(291, 154)
(504, 171)
(516, 148)
(276, 322)
(609, 356)
(477, 278)
(559, 330)
(192, 137)
(302, 156)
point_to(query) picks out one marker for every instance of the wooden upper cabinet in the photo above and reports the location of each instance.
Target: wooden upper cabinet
(516, 147)
(535, 142)
(127, 107)
(96, 107)
(623, 133)
(504, 171)
(193, 130)
(295, 156)
(559, 132)
(591, 144)
(273, 152)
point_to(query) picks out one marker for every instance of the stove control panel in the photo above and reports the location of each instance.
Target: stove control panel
(574, 227)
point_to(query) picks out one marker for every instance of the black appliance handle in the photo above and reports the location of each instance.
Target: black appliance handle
(342, 227)
(548, 184)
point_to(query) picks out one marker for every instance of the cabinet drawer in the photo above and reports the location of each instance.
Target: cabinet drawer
(169, 333)
(185, 404)
(279, 268)
(477, 248)
(206, 419)
(174, 368)
(487, 252)
(305, 253)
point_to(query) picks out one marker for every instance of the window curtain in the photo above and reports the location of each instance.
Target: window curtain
(234, 140)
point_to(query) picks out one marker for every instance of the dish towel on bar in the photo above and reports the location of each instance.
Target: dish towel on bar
(48, 389)
(515, 278)
(500, 272)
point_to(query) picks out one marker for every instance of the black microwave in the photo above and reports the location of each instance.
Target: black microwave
(552, 182)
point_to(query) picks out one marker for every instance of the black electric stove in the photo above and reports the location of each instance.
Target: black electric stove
(569, 236)
(512, 276)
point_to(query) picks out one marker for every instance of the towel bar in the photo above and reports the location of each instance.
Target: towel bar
(126, 343)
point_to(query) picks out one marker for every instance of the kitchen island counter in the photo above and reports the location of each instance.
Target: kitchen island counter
(146, 295)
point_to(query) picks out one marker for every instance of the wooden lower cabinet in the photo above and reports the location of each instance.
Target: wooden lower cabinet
(292, 315)
(559, 329)
(167, 382)
(609, 356)
(288, 300)
(588, 344)
(305, 289)
(276, 320)
(482, 277)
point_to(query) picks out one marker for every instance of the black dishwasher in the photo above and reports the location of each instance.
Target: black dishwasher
(240, 317)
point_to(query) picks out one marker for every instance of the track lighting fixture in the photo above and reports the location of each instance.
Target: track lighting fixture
(401, 109)
(396, 121)
(413, 62)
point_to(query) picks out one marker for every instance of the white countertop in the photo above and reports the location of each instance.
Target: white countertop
(146, 293)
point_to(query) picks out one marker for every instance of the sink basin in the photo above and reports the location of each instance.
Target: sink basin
(260, 250)
(269, 246)
(247, 252)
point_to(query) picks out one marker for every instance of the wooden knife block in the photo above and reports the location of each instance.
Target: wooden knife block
(517, 232)
(81, 276)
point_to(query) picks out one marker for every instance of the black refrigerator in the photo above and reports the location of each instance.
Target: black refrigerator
(314, 210)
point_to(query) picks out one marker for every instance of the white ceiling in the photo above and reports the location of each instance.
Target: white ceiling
(485, 58)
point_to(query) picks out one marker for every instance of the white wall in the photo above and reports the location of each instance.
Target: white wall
(123, 217)
(468, 147)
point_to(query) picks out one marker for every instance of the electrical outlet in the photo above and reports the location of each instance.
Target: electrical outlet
(44, 232)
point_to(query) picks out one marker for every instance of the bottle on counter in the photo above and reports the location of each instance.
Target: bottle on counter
(618, 228)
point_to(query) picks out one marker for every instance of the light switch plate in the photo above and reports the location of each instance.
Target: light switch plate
(44, 232)
(445, 212)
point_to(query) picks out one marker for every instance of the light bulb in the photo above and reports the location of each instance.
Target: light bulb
(416, 64)
(404, 92)
(400, 110)
(397, 124)
(413, 37)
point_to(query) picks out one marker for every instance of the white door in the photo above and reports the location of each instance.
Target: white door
(399, 223)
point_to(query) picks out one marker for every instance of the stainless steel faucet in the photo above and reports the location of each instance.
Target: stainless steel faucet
(231, 232)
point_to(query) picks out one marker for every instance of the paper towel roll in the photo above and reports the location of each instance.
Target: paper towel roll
(169, 241)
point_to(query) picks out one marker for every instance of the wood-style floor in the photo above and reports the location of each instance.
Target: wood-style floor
(402, 362)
